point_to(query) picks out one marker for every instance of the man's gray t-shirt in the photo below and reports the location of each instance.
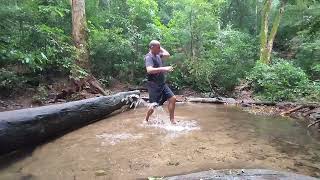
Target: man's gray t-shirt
(155, 61)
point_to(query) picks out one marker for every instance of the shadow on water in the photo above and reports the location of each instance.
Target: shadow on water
(13, 157)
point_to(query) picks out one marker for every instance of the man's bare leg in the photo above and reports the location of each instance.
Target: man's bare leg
(150, 111)
(171, 108)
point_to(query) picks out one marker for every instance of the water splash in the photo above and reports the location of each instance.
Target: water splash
(133, 100)
(116, 138)
(160, 119)
(142, 102)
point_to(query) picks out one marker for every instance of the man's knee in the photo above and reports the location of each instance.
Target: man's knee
(173, 99)
(153, 105)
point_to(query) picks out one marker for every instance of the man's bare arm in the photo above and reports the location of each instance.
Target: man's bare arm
(164, 53)
(152, 70)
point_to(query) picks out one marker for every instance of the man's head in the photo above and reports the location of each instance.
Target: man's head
(154, 47)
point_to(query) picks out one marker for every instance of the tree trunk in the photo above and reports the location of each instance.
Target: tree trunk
(192, 51)
(97, 4)
(264, 30)
(267, 41)
(81, 73)
(256, 20)
(274, 30)
(79, 33)
(28, 127)
(240, 16)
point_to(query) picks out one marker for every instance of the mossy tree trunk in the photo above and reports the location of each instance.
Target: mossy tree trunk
(267, 39)
(79, 33)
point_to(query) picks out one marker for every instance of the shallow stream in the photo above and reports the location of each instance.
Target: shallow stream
(206, 137)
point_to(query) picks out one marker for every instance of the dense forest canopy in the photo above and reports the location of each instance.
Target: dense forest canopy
(271, 45)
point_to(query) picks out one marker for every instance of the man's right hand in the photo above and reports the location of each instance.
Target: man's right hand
(168, 68)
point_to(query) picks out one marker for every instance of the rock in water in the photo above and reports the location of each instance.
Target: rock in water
(239, 174)
(100, 173)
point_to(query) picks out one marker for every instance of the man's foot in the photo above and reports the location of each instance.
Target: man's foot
(147, 122)
(173, 122)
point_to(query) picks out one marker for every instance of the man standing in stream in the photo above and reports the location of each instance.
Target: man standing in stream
(159, 92)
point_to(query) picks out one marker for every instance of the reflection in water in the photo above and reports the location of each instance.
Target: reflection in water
(206, 137)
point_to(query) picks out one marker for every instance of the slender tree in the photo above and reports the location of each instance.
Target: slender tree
(267, 39)
(79, 33)
(80, 36)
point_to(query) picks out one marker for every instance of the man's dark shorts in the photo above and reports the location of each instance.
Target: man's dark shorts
(158, 93)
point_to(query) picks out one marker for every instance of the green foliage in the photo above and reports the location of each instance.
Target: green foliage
(195, 34)
(298, 38)
(52, 49)
(313, 92)
(241, 14)
(299, 35)
(233, 54)
(10, 82)
(32, 34)
(191, 26)
(119, 35)
(281, 81)
(110, 52)
(226, 59)
(41, 95)
(308, 55)
(213, 43)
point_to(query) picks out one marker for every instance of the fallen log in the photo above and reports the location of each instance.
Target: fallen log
(292, 110)
(259, 103)
(305, 105)
(202, 100)
(140, 88)
(205, 100)
(210, 100)
(314, 123)
(312, 111)
(25, 127)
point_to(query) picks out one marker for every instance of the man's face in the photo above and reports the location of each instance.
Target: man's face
(155, 49)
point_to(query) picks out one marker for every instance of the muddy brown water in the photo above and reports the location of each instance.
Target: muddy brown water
(207, 137)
